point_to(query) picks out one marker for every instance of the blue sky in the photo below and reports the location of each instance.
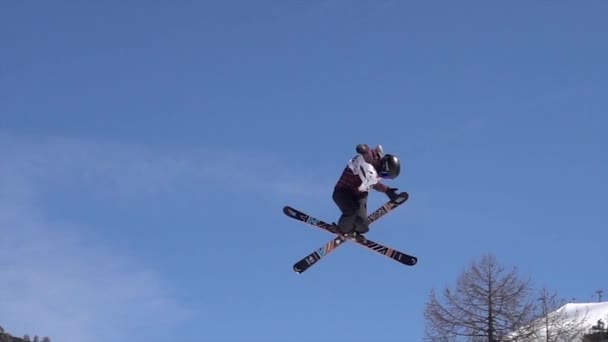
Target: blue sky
(148, 148)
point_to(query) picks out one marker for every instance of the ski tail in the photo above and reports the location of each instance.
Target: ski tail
(321, 252)
(404, 258)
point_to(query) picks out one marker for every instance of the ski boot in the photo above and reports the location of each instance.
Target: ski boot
(352, 235)
(361, 227)
(334, 228)
(355, 235)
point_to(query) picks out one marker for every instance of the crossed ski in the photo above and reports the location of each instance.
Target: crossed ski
(331, 245)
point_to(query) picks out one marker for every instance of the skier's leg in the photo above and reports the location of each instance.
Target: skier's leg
(349, 208)
(362, 222)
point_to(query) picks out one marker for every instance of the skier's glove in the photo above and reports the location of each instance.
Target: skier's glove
(392, 193)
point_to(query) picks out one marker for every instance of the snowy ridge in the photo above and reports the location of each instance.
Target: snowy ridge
(590, 313)
(580, 317)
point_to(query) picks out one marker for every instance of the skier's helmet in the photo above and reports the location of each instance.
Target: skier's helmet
(389, 166)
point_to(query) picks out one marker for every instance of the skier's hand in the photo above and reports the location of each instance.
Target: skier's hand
(392, 193)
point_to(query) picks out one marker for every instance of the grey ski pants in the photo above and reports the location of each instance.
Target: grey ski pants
(354, 212)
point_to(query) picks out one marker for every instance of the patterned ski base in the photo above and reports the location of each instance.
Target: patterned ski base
(306, 262)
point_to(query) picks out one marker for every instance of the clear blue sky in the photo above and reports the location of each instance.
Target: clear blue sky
(147, 149)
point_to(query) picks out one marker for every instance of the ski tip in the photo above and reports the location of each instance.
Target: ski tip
(287, 210)
(404, 196)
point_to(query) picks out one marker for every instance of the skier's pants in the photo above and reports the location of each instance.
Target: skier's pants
(354, 211)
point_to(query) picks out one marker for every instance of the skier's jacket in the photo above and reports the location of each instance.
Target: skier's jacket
(349, 181)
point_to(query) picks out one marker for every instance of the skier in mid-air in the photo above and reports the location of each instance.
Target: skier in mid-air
(362, 173)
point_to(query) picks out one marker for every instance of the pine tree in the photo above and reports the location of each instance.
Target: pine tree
(487, 304)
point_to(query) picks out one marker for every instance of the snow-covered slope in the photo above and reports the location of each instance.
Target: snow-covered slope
(590, 313)
(570, 320)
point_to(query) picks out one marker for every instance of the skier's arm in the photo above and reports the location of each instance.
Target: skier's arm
(380, 187)
(390, 192)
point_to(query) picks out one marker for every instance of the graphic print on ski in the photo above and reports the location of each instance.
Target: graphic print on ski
(314, 257)
(396, 255)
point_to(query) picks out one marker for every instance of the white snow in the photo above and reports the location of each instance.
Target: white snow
(587, 314)
(591, 312)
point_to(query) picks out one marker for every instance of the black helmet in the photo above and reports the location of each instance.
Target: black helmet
(389, 167)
